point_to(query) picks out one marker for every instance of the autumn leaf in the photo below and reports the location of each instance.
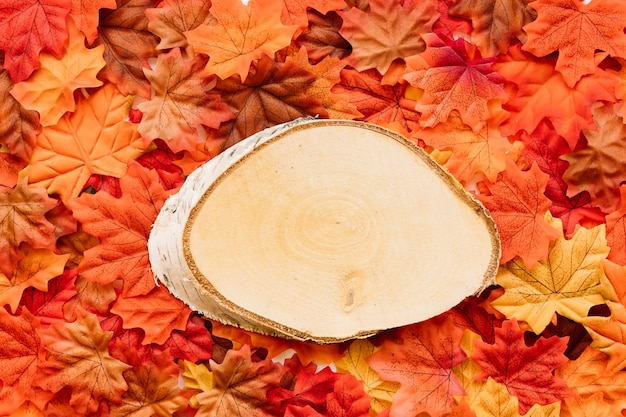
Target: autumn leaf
(526, 371)
(453, 76)
(347, 399)
(123, 227)
(21, 352)
(182, 102)
(355, 363)
(239, 35)
(616, 230)
(495, 401)
(79, 359)
(192, 344)
(89, 296)
(196, 377)
(128, 44)
(295, 11)
(448, 25)
(94, 139)
(377, 102)
(569, 281)
(50, 89)
(311, 389)
(577, 30)
(496, 24)
(470, 314)
(599, 167)
(467, 371)
(322, 38)
(239, 386)
(47, 304)
(518, 206)
(273, 94)
(176, 17)
(158, 313)
(387, 31)
(422, 365)
(29, 27)
(85, 15)
(608, 336)
(10, 166)
(541, 92)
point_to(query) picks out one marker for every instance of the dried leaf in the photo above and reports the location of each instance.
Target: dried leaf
(176, 17)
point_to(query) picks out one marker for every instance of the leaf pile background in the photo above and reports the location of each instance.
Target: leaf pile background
(106, 107)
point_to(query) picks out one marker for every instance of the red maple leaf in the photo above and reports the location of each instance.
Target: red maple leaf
(123, 226)
(518, 206)
(28, 27)
(527, 372)
(447, 25)
(192, 344)
(422, 364)
(48, 305)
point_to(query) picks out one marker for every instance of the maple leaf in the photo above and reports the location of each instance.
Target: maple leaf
(453, 76)
(79, 359)
(496, 25)
(50, 89)
(377, 102)
(599, 167)
(90, 296)
(239, 35)
(355, 363)
(327, 73)
(616, 230)
(273, 94)
(239, 386)
(128, 44)
(495, 401)
(422, 365)
(608, 336)
(27, 28)
(311, 389)
(192, 344)
(152, 389)
(94, 139)
(322, 38)
(158, 313)
(18, 127)
(176, 17)
(183, 101)
(448, 25)
(569, 281)
(347, 399)
(47, 304)
(163, 161)
(518, 206)
(471, 315)
(542, 93)
(295, 11)
(10, 166)
(123, 227)
(85, 15)
(576, 29)
(525, 371)
(387, 31)
(20, 353)
(472, 152)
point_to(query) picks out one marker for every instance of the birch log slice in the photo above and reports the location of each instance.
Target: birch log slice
(323, 230)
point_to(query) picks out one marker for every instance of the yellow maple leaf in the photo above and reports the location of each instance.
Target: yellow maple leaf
(50, 89)
(609, 335)
(570, 281)
(355, 363)
(239, 35)
(198, 378)
(467, 371)
(495, 401)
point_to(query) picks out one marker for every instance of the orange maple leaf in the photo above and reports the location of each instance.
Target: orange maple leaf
(123, 226)
(322, 37)
(453, 76)
(85, 14)
(94, 139)
(295, 11)
(50, 89)
(608, 334)
(518, 206)
(79, 359)
(577, 30)
(176, 17)
(239, 35)
(387, 31)
(616, 230)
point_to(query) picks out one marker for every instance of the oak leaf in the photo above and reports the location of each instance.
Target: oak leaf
(322, 38)
(47, 304)
(496, 25)
(541, 92)
(518, 206)
(85, 15)
(21, 351)
(453, 76)
(239, 35)
(176, 17)
(577, 30)
(182, 102)
(608, 335)
(525, 371)
(295, 11)
(79, 359)
(22, 219)
(123, 227)
(158, 313)
(94, 139)
(274, 93)
(387, 31)
(128, 44)
(569, 281)
(29, 27)
(599, 167)
(355, 363)
(50, 89)
(422, 364)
